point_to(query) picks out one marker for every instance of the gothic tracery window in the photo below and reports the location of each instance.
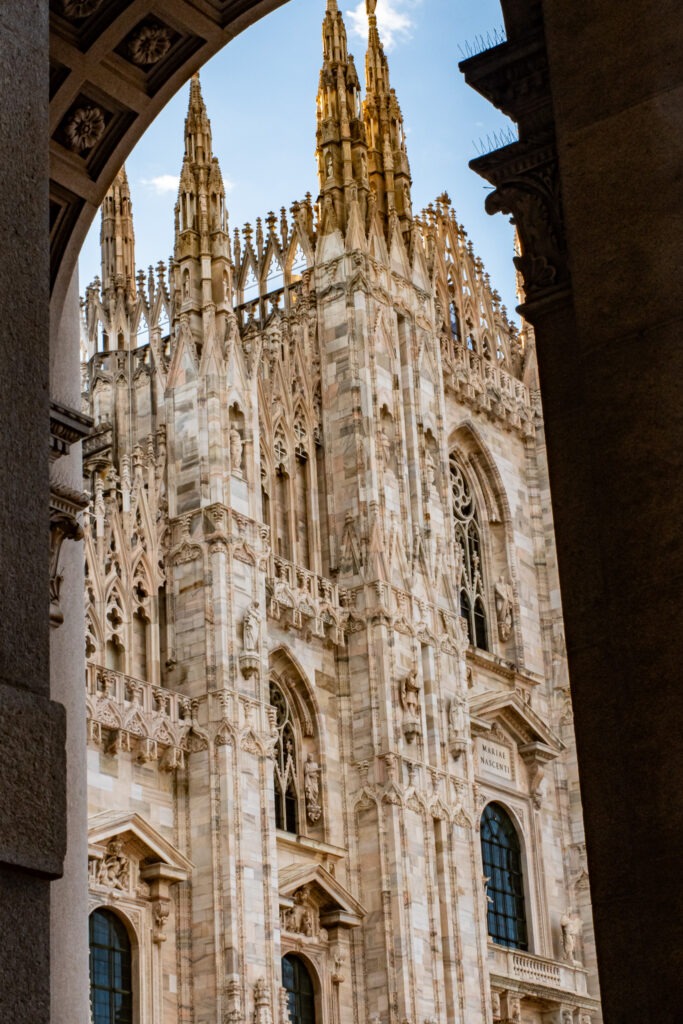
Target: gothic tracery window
(285, 770)
(470, 583)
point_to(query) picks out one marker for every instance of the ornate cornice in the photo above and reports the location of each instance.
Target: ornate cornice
(67, 426)
(514, 76)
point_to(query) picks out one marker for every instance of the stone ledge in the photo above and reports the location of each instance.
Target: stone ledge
(33, 774)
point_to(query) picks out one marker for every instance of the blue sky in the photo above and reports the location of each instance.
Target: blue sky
(260, 94)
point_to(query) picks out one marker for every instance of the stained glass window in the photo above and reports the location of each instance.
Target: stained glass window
(111, 995)
(299, 987)
(502, 859)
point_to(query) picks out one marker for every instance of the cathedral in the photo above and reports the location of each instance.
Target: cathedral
(332, 775)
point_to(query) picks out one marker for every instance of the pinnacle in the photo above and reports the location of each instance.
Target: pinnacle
(196, 104)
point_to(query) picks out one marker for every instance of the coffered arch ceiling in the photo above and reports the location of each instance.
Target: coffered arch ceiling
(114, 64)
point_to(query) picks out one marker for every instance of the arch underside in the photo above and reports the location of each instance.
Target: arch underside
(114, 64)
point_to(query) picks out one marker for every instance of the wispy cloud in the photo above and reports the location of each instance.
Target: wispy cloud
(394, 19)
(163, 183)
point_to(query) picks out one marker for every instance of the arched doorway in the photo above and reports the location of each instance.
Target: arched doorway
(297, 982)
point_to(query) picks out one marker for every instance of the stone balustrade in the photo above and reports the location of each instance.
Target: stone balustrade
(304, 597)
(539, 970)
(124, 713)
(484, 384)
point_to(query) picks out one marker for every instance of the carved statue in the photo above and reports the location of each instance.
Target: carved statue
(114, 868)
(410, 702)
(572, 927)
(236, 447)
(457, 726)
(301, 918)
(504, 604)
(161, 911)
(232, 332)
(457, 718)
(252, 627)
(312, 789)
(339, 961)
(385, 447)
(430, 469)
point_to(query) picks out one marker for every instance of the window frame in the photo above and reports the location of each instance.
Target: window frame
(127, 930)
(469, 536)
(295, 956)
(523, 943)
(286, 768)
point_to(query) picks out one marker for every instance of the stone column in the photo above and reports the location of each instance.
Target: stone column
(32, 769)
(69, 896)
(595, 187)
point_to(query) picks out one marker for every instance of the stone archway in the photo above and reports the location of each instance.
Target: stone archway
(112, 65)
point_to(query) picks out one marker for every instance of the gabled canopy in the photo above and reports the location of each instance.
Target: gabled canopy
(163, 859)
(533, 737)
(336, 904)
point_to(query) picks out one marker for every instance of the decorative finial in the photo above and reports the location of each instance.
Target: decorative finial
(370, 7)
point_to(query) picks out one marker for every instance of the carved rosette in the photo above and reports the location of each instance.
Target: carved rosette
(149, 45)
(85, 128)
(80, 8)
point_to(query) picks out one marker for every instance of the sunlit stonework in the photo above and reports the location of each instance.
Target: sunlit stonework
(332, 774)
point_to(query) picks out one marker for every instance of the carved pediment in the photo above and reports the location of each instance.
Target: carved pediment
(514, 716)
(137, 840)
(313, 886)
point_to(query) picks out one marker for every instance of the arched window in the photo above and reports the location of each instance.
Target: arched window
(111, 994)
(298, 984)
(285, 770)
(468, 538)
(502, 859)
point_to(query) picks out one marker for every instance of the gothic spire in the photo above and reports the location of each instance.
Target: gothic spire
(117, 240)
(201, 219)
(341, 146)
(388, 165)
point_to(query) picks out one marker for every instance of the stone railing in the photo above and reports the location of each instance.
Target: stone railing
(486, 386)
(539, 970)
(304, 598)
(130, 714)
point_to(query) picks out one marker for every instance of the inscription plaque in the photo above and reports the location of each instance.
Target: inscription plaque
(494, 758)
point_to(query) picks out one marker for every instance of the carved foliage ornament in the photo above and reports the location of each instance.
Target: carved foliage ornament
(80, 8)
(149, 45)
(534, 202)
(85, 128)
